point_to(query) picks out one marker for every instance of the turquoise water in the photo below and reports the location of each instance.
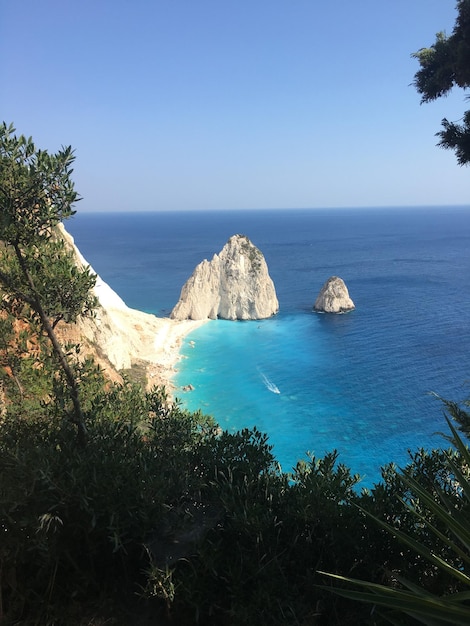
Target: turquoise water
(283, 376)
(359, 382)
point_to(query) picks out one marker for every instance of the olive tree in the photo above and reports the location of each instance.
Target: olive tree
(38, 276)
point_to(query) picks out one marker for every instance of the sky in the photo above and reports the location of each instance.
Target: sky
(224, 104)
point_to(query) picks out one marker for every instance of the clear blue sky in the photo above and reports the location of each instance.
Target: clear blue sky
(216, 104)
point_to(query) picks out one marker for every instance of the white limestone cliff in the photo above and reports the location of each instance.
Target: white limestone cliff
(234, 285)
(119, 337)
(334, 297)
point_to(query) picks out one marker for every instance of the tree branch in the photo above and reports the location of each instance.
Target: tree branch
(79, 419)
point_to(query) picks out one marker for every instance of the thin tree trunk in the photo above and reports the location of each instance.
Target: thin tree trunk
(79, 419)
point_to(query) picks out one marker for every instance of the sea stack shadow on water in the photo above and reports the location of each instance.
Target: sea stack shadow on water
(334, 297)
(234, 285)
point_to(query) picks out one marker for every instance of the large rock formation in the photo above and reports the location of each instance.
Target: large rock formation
(334, 297)
(235, 285)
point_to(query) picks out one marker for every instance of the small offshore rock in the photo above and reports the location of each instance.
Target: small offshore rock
(333, 297)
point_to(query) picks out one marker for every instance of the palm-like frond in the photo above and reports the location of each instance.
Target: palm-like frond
(453, 535)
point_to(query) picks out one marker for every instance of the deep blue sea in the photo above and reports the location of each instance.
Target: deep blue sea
(359, 383)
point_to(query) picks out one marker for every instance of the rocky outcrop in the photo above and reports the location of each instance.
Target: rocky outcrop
(235, 285)
(333, 297)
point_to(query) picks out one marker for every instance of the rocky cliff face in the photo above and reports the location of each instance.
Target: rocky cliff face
(235, 285)
(121, 338)
(105, 336)
(334, 297)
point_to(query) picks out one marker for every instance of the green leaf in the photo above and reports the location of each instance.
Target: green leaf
(425, 605)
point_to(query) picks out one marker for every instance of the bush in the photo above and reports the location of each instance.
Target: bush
(75, 520)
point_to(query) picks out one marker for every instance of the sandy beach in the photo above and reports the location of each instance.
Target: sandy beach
(153, 343)
(130, 338)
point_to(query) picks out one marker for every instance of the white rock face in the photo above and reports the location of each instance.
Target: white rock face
(107, 330)
(334, 297)
(118, 337)
(235, 285)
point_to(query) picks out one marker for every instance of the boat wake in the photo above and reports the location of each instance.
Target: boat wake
(269, 384)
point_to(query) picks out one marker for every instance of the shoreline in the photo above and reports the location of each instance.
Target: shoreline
(122, 338)
(145, 340)
(162, 359)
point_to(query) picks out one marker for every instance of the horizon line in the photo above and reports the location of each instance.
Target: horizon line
(318, 208)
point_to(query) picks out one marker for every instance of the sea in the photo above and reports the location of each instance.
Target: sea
(366, 383)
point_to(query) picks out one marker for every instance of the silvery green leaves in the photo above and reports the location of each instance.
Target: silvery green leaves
(36, 191)
(37, 271)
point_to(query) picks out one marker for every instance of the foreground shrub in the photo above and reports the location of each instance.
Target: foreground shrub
(161, 503)
(74, 520)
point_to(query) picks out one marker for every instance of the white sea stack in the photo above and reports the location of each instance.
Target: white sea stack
(334, 297)
(235, 285)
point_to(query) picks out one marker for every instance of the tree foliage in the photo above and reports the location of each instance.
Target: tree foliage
(41, 283)
(444, 65)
